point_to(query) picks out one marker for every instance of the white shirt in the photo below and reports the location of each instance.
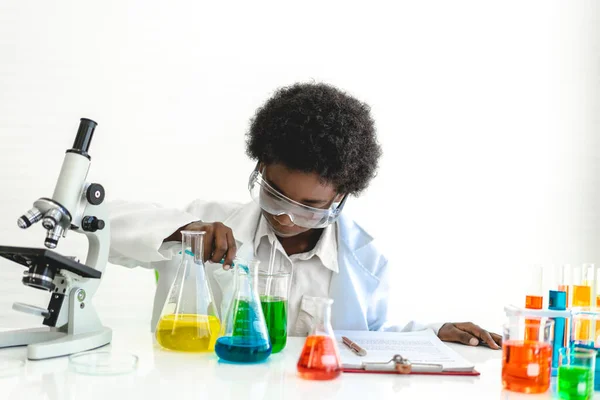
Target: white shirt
(311, 272)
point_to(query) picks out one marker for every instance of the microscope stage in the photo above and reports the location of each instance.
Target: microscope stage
(30, 256)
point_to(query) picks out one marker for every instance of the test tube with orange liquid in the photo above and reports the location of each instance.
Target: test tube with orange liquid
(581, 296)
(526, 359)
(534, 300)
(590, 278)
(596, 303)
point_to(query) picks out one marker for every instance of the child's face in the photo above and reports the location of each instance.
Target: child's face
(302, 187)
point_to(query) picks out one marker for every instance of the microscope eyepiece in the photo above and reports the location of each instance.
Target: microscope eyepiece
(84, 135)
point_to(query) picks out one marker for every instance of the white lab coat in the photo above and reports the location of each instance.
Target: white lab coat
(360, 290)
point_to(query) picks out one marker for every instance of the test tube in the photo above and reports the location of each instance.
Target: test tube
(566, 278)
(581, 291)
(582, 297)
(552, 278)
(534, 300)
(595, 291)
(590, 278)
(558, 301)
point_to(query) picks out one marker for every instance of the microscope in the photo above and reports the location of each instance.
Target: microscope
(72, 323)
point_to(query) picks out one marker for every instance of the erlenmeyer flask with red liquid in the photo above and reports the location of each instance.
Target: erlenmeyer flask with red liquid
(320, 358)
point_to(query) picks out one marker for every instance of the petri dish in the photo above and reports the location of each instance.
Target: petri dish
(10, 367)
(103, 363)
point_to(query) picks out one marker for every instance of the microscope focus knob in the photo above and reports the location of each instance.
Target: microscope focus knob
(92, 224)
(95, 194)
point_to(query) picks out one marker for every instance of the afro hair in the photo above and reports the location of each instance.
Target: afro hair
(316, 128)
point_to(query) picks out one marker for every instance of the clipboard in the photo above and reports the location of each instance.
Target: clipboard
(401, 366)
(391, 372)
(402, 353)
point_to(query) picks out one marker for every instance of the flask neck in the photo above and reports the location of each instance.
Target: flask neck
(244, 279)
(322, 318)
(192, 245)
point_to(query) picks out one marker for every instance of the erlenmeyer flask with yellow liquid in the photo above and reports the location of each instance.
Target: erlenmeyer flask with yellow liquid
(189, 321)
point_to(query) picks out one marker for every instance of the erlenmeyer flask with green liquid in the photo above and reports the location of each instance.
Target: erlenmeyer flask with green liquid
(189, 321)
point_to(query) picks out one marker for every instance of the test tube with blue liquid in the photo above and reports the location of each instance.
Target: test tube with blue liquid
(565, 281)
(557, 301)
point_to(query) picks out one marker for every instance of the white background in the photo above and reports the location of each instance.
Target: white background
(487, 114)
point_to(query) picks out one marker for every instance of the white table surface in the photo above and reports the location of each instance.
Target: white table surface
(124, 302)
(163, 374)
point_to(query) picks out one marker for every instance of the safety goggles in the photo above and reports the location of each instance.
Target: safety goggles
(275, 203)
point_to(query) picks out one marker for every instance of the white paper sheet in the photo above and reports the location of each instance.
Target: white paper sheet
(418, 347)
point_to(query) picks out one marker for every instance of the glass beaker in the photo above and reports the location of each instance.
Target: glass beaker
(274, 292)
(189, 320)
(244, 336)
(526, 360)
(320, 358)
(587, 319)
(576, 374)
(585, 327)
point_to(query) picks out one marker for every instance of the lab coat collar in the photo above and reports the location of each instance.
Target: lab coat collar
(352, 234)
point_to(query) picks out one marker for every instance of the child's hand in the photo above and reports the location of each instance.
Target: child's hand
(469, 334)
(219, 242)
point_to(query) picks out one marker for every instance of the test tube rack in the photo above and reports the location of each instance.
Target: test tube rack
(513, 312)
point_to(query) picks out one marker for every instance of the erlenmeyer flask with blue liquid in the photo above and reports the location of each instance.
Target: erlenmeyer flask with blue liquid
(244, 336)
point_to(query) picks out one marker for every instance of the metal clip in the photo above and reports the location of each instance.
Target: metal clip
(402, 366)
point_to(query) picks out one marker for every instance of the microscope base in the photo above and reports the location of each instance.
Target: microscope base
(44, 343)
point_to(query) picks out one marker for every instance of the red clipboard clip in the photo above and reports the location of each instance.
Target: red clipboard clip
(402, 365)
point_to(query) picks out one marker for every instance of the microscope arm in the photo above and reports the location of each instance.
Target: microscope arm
(95, 225)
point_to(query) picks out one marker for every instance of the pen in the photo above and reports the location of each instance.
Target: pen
(354, 347)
